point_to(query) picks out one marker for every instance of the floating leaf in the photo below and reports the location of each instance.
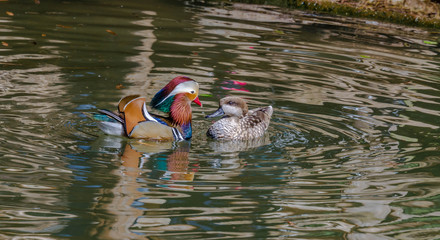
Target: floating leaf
(205, 95)
(43, 35)
(111, 32)
(5, 44)
(430, 42)
(278, 32)
(365, 56)
(409, 103)
(63, 26)
(9, 13)
(291, 223)
(119, 86)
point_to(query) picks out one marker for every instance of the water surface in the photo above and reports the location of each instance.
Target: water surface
(352, 151)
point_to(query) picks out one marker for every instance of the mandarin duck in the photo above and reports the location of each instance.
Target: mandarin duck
(239, 123)
(134, 121)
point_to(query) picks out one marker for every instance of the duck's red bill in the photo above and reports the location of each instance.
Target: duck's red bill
(197, 101)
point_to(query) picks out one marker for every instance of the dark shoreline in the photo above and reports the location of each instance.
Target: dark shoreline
(421, 13)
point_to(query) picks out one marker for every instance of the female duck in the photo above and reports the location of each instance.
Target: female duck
(134, 121)
(239, 123)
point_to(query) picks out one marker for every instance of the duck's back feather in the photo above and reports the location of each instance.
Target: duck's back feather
(252, 125)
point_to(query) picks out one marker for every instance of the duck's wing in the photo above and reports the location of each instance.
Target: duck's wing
(108, 121)
(139, 123)
(257, 121)
(262, 114)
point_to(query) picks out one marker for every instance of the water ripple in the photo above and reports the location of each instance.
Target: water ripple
(351, 151)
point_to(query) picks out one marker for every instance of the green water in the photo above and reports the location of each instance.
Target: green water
(352, 151)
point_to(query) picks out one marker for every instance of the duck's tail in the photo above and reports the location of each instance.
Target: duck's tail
(268, 110)
(109, 122)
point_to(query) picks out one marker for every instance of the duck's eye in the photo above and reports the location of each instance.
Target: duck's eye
(230, 103)
(192, 92)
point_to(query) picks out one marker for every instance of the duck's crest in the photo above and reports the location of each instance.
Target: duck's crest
(162, 101)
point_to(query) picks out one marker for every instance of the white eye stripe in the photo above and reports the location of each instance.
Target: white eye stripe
(190, 86)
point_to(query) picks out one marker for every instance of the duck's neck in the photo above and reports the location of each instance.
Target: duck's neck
(160, 104)
(180, 111)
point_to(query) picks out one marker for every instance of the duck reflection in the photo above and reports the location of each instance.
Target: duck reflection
(143, 163)
(238, 145)
(170, 162)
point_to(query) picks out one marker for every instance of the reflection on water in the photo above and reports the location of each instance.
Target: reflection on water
(351, 151)
(238, 145)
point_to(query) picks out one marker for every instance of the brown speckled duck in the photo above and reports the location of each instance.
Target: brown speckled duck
(239, 123)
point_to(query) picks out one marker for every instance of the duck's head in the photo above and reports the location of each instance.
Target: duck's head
(181, 87)
(231, 106)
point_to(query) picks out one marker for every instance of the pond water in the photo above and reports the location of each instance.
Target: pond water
(352, 151)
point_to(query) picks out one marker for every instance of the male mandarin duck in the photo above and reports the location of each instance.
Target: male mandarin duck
(239, 123)
(134, 121)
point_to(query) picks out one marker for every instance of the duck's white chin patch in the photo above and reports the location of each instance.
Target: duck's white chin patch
(232, 110)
